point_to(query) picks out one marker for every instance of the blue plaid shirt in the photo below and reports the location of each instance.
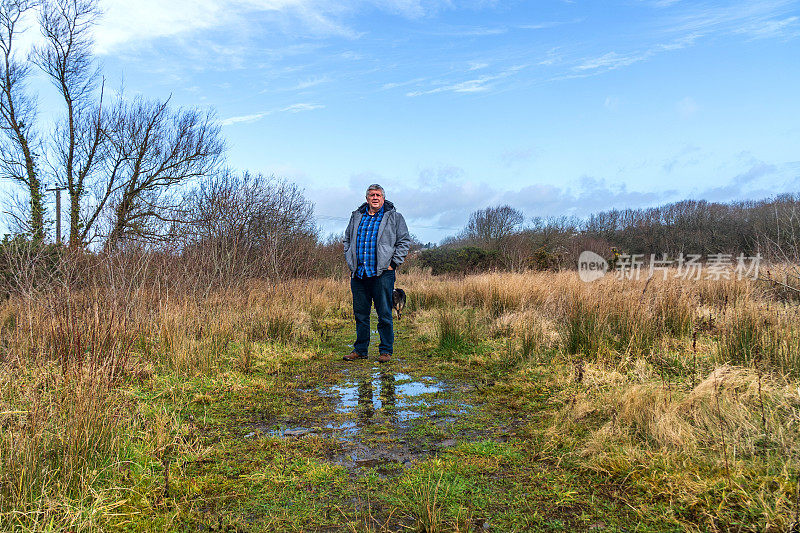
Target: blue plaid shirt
(366, 244)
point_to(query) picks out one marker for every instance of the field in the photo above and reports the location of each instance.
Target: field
(514, 402)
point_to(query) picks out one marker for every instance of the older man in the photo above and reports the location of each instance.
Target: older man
(376, 242)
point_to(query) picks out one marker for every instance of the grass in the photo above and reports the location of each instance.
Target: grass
(458, 332)
(619, 405)
(754, 336)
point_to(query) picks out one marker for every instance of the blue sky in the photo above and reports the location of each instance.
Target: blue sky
(554, 107)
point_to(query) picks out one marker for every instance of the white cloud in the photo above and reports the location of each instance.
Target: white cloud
(440, 201)
(611, 103)
(441, 175)
(553, 56)
(757, 180)
(612, 60)
(548, 25)
(469, 86)
(430, 216)
(517, 155)
(26, 34)
(473, 32)
(294, 108)
(243, 119)
(664, 3)
(687, 23)
(785, 28)
(686, 156)
(475, 85)
(125, 22)
(297, 108)
(769, 18)
(396, 84)
(312, 82)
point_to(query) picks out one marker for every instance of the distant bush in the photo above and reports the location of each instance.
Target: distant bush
(465, 260)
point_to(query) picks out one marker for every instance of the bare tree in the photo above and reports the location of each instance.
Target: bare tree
(66, 58)
(18, 111)
(779, 239)
(489, 226)
(246, 226)
(153, 149)
(119, 163)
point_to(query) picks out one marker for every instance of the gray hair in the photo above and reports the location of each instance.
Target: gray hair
(376, 187)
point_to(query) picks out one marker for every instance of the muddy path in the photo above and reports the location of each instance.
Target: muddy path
(427, 442)
(379, 417)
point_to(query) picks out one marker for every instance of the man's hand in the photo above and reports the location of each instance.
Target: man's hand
(390, 267)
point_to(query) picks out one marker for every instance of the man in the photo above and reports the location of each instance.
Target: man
(376, 242)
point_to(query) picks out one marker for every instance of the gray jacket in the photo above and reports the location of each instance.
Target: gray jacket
(393, 239)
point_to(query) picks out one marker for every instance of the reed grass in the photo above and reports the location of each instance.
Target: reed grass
(65, 437)
(458, 332)
(70, 357)
(751, 334)
(438, 499)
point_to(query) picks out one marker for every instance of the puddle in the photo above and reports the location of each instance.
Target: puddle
(394, 394)
(383, 420)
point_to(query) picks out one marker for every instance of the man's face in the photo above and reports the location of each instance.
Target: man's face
(375, 200)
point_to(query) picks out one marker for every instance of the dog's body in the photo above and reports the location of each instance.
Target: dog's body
(399, 301)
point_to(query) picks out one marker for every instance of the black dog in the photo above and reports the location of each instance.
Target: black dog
(399, 301)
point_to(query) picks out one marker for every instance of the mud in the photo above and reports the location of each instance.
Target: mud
(379, 419)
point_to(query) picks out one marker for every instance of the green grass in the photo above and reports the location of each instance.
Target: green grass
(221, 477)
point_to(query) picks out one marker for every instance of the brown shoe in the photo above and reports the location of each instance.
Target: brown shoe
(384, 357)
(352, 356)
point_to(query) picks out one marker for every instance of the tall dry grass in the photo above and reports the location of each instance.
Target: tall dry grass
(683, 390)
(61, 438)
(616, 319)
(606, 319)
(70, 350)
(758, 334)
(69, 354)
(719, 451)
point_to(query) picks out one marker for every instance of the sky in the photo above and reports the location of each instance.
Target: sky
(561, 107)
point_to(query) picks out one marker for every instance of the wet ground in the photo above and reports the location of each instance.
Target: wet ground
(380, 418)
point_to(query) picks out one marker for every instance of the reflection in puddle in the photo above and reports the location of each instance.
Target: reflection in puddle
(375, 416)
(397, 396)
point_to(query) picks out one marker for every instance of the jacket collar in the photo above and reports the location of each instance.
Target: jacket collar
(387, 206)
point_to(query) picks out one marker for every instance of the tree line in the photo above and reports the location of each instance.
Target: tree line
(498, 237)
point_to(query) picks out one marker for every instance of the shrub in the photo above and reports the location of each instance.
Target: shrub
(27, 264)
(466, 260)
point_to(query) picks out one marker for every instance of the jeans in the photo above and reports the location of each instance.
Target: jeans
(366, 291)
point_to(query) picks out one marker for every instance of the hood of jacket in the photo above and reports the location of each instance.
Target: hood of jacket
(387, 206)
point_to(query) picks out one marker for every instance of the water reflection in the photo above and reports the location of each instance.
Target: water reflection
(397, 396)
(386, 395)
(384, 401)
(365, 407)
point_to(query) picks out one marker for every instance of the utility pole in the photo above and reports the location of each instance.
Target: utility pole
(58, 211)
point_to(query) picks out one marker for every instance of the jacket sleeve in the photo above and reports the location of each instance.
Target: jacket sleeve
(402, 242)
(346, 238)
